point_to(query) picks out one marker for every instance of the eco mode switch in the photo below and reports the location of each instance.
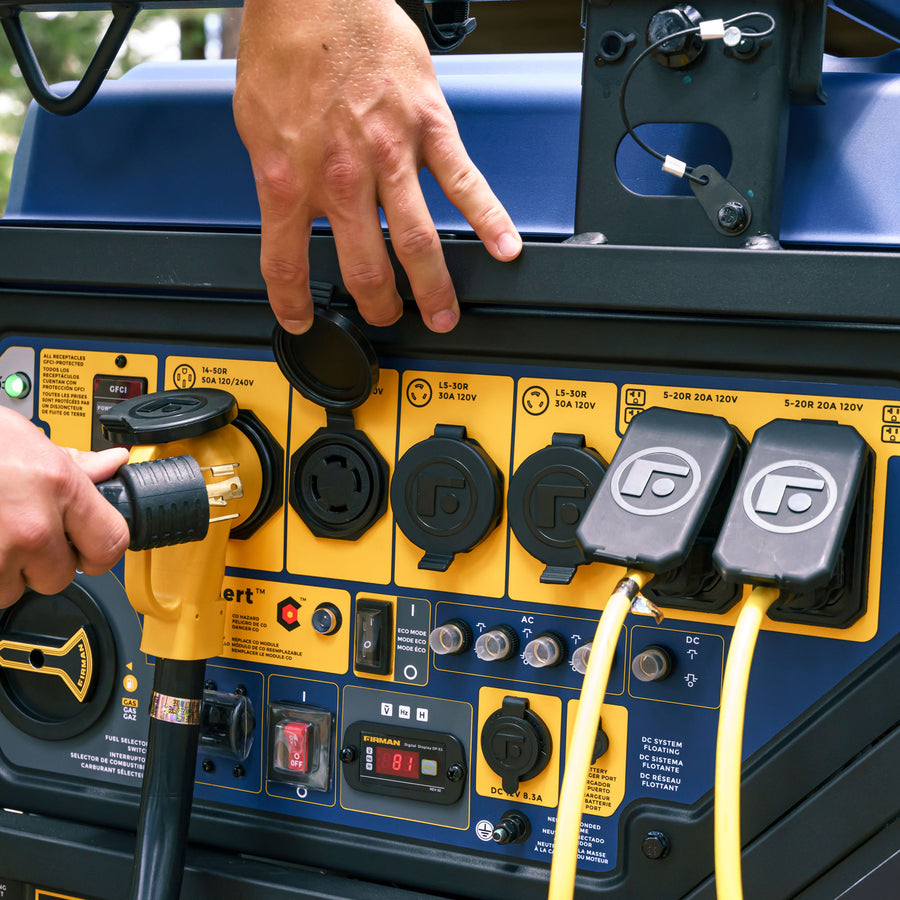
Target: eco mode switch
(373, 645)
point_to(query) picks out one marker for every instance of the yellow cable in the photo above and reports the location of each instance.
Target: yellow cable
(729, 741)
(584, 734)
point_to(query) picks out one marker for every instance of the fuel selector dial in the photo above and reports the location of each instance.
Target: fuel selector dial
(57, 661)
(446, 494)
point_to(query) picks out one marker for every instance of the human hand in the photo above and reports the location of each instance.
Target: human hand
(339, 107)
(52, 518)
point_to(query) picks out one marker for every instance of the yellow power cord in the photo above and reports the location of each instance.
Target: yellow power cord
(727, 819)
(584, 734)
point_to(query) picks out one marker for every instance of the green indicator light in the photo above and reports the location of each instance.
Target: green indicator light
(17, 386)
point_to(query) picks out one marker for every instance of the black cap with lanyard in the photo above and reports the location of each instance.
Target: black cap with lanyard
(445, 27)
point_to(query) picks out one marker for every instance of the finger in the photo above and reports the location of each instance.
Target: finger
(97, 532)
(286, 225)
(43, 556)
(468, 190)
(417, 245)
(359, 240)
(99, 466)
(12, 586)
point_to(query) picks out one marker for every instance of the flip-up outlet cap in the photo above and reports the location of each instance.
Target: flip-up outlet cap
(168, 416)
(658, 490)
(790, 512)
(333, 364)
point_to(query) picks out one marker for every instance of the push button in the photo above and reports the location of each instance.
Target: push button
(374, 637)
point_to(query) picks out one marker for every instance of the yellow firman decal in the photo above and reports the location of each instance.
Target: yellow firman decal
(369, 557)
(270, 622)
(605, 788)
(65, 401)
(260, 388)
(80, 664)
(542, 790)
(483, 404)
(877, 421)
(545, 407)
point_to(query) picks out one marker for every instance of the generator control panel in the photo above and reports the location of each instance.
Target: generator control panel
(406, 636)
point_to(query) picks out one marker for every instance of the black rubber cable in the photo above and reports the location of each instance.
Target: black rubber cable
(168, 784)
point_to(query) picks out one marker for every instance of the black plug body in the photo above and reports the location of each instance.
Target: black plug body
(793, 504)
(164, 501)
(658, 490)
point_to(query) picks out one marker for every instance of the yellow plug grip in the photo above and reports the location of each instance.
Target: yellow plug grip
(178, 589)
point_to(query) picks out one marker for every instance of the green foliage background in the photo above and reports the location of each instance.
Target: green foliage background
(64, 46)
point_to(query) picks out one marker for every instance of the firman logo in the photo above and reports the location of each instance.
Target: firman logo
(655, 481)
(790, 497)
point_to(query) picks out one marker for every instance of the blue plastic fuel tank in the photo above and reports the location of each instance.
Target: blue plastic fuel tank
(159, 147)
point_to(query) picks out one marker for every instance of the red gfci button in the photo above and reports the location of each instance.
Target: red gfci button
(296, 736)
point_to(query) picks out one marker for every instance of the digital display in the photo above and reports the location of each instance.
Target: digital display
(401, 763)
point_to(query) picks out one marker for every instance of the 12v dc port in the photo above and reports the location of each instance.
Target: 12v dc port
(516, 743)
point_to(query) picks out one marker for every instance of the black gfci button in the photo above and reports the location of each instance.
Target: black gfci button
(446, 495)
(659, 489)
(548, 497)
(794, 500)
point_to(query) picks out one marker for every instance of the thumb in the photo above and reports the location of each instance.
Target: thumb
(101, 465)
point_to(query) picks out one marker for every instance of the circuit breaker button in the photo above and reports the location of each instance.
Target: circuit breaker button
(373, 644)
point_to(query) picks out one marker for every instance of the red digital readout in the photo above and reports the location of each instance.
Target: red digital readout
(403, 763)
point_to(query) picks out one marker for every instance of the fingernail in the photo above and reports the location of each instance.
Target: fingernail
(445, 320)
(509, 245)
(296, 326)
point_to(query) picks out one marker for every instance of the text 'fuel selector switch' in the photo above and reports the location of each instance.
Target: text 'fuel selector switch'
(338, 479)
(446, 495)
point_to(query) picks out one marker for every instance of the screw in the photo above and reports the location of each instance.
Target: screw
(732, 217)
(208, 765)
(241, 690)
(348, 754)
(121, 361)
(655, 845)
(209, 685)
(238, 772)
(455, 772)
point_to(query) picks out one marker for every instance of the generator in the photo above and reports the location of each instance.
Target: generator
(408, 613)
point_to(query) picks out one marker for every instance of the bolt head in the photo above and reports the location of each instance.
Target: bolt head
(655, 845)
(455, 772)
(348, 754)
(732, 217)
(208, 765)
